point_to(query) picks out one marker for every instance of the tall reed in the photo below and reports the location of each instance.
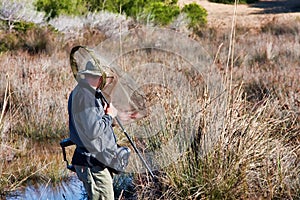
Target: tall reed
(256, 154)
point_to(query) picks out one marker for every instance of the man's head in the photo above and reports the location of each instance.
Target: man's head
(93, 74)
(96, 75)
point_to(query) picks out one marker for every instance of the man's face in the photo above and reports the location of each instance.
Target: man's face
(94, 81)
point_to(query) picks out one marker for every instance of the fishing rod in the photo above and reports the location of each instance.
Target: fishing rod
(100, 94)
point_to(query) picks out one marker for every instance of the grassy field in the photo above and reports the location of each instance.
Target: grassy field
(256, 154)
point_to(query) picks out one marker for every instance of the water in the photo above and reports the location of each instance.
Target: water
(71, 189)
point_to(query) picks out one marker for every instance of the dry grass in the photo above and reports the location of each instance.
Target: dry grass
(254, 156)
(33, 111)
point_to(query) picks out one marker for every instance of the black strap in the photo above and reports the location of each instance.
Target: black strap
(83, 157)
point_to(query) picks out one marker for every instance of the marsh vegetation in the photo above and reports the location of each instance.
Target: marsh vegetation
(255, 155)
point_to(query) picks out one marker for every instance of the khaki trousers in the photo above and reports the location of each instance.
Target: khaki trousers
(97, 182)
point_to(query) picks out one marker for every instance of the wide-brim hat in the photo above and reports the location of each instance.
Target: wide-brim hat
(91, 69)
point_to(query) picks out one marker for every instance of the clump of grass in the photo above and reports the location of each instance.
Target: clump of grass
(279, 28)
(251, 158)
(32, 85)
(256, 92)
(9, 41)
(40, 40)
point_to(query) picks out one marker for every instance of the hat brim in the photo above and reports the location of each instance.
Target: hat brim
(84, 72)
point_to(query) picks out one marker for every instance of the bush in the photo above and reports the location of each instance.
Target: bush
(28, 37)
(119, 6)
(161, 13)
(196, 14)
(53, 8)
(39, 40)
(8, 42)
(158, 11)
(23, 26)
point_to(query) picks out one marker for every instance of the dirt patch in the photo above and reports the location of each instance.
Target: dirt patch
(252, 15)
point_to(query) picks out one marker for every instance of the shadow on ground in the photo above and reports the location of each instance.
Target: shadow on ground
(277, 6)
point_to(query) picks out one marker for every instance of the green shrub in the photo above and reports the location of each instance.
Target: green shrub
(118, 6)
(50, 7)
(53, 8)
(23, 26)
(196, 14)
(161, 13)
(134, 8)
(232, 1)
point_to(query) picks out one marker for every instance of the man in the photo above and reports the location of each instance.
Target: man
(90, 123)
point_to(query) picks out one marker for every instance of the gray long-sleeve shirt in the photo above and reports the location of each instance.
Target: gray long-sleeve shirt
(90, 128)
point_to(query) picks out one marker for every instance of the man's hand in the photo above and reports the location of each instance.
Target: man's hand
(110, 110)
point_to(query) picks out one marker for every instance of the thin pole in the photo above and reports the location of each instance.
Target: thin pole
(128, 137)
